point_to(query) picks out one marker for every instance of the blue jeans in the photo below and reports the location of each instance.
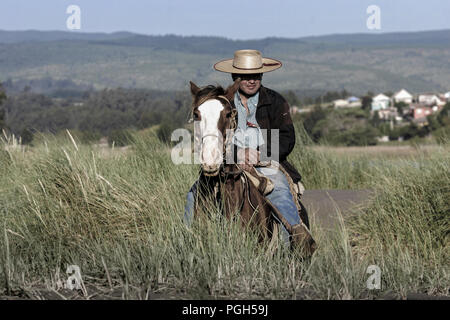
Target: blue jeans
(280, 197)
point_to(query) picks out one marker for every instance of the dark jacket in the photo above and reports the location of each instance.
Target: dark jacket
(272, 112)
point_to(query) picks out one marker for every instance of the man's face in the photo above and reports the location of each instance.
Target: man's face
(250, 83)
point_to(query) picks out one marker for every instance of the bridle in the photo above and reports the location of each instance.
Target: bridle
(233, 123)
(227, 145)
(210, 135)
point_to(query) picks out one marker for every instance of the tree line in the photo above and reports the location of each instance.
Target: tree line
(99, 113)
(356, 126)
(2, 110)
(109, 112)
(114, 112)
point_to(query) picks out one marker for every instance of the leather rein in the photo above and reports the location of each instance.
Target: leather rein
(229, 138)
(228, 144)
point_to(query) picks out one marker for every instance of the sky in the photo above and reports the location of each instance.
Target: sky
(234, 19)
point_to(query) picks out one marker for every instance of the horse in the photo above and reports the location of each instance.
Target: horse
(237, 191)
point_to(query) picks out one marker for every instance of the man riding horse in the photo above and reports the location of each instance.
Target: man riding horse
(259, 108)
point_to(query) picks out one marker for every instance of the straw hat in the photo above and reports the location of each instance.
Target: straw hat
(247, 62)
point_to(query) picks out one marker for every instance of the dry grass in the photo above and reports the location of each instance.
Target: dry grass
(119, 218)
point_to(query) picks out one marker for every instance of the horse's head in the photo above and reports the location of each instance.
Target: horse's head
(212, 110)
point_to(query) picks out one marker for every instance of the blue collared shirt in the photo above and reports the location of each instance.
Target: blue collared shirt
(247, 136)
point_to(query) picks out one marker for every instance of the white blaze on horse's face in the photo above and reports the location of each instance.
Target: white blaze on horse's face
(212, 140)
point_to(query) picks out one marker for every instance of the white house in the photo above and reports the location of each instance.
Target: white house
(403, 96)
(340, 103)
(388, 113)
(355, 104)
(380, 102)
(447, 96)
(352, 102)
(430, 99)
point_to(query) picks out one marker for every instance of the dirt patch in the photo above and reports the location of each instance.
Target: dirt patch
(380, 150)
(324, 206)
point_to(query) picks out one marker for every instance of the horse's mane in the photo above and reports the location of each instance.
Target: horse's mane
(208, 92)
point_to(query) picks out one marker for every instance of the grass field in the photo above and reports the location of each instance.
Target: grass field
(117, 214)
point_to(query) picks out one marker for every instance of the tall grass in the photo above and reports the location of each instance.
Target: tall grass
(118, 215)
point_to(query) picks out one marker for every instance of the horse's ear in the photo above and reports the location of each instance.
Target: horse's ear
(194, 88)
(231, 90)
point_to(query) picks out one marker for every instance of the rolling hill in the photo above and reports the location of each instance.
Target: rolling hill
(418, 61)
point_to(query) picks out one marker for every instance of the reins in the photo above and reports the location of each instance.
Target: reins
(233, 123)
(228, 144)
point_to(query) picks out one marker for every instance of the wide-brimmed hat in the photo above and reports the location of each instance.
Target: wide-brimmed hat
(247, 62)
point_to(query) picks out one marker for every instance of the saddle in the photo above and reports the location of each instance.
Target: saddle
(260, 181)
(300, 234)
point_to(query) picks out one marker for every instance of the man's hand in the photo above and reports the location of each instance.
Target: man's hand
(247, 158)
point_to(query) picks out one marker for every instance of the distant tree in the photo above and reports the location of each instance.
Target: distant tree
(2, 110)
(120, 138)
(400, 106)
(375, 121)
(444, 115)
(308, 101)
(149, 118)
(312, 119)
(330, 96)
(357, 136)
(318, 100)
(366, 102)
(413, 131)
(433, 123)
(344, 94)
(2, 94)
(389, 93)
(394, 134)
(384, 128)
(165, 130)
(27, 136)
(370, 94)
(292, 98)
(100, 111)
(2, 119)
(442, 135)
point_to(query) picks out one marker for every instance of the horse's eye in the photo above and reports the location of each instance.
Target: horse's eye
(228, 115)
(196, 116)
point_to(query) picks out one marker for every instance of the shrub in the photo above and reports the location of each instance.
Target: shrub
(120, 138)
(165, 130)
(442, 135)
(88, 137)
(27, 136)
(359, 136)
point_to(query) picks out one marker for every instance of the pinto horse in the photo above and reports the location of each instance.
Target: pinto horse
(226, 183)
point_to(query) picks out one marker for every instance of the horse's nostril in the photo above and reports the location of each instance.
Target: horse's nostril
(210, 170)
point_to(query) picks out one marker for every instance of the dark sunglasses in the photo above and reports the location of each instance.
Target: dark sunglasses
(246, 77)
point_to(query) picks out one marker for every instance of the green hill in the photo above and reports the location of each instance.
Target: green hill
(418, 61)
